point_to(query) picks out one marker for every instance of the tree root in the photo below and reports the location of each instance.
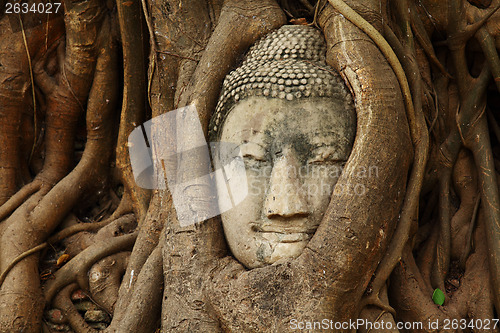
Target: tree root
(480, 145)
(460, 30)
(77, 268)
(472, 300)
(221, 52)
(144, 307)
(56, 238)
(104, 279)
(424, 40)
(463, 222)
(134, 102)
(473, 127)
(63, 302)
(443, 246)
(470, 233)
(487, 43)
(389, 54)
(119, 222)
(374, 314)
(18, 259)
(147, 240)
(475, 295)
(425, 258)
(15, 99)
(411, 301)
(17, 199)
(420, 138)
(374, 299)
(35, 220)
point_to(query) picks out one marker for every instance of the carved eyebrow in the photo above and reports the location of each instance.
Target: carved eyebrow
(254, 134)
(318, 140)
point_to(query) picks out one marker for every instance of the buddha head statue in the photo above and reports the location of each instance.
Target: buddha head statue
(293, 122)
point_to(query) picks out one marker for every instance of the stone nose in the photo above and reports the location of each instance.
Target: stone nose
(285, 197)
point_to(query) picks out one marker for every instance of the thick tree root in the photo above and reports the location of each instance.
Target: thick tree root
(16, 95)
(355, 68)
(36, 219)
(134, 97)
(17, 199)
(374, 314)
(143, 311)
(147, 240)
(105, 277)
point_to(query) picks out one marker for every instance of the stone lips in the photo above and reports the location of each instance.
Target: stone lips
(288, 63)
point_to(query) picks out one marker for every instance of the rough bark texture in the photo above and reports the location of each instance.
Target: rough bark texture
(76, 229)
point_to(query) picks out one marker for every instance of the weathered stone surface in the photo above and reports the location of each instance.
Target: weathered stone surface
(294, 122)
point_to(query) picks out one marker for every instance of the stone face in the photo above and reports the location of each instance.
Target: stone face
(294, 122)
(293, 153)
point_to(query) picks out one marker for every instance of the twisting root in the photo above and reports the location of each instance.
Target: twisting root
(63, 303)
(36, 219)
(389, 54)
(17, 199)
(374, 314)
(77, 268)
(420, 138)
(58, 237)
(147, 240)
(144, 308)
(473, 126)
(19, 258)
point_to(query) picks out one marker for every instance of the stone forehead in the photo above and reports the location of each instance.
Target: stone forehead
(288, 63)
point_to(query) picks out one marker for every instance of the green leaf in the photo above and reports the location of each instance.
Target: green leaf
(438, 296)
